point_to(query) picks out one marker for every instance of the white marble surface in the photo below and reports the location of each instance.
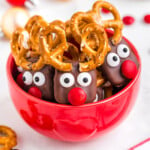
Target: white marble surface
(133, 130)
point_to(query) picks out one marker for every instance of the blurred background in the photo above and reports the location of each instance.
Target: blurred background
(135, 128)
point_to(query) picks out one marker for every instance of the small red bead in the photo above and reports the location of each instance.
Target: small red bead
(34, 91)
(128, 20)
(16, 2)
(147, 19)
(19, 80)
(77, 96)
(129, 69)
(105, 11)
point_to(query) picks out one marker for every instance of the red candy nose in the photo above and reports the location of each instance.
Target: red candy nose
(77, 96)
(35, 92)
(129, 69)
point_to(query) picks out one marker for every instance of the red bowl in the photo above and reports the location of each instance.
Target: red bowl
(73, 123)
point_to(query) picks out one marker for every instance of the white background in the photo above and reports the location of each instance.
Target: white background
(134, 129)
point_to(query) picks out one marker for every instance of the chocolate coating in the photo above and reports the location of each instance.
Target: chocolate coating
(61, 92)
(113, 74)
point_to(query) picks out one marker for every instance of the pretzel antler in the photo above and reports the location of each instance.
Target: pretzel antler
(34, 33)
(33, 27)
(31, 22)
(95, 56)
(116, 23)
(78, 21)
(21, 51)
(53, 53)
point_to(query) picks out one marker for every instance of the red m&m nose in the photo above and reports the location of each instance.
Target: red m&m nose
(129, 69)
(35, 92)
(77, 96)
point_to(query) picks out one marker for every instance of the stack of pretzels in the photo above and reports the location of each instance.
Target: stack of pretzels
(84, 37)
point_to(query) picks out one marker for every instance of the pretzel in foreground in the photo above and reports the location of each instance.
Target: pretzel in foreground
(8, 138)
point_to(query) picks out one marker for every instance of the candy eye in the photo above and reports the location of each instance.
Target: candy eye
(27, 78)
(67, 80)
(123, 51)
(84, 79)
(113, 59)
(20, 69)
(39, 79)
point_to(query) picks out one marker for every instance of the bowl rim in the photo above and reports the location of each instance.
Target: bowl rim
(38, 100)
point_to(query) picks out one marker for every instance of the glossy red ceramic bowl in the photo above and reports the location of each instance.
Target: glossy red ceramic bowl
(73, 123)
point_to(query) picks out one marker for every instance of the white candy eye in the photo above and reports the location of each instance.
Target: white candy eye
(67, 80)
(113, 59)
(20, 69)
(123, 51)
(39, 79)
(84, 79)
(27, 78)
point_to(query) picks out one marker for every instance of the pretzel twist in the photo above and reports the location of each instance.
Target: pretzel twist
(78, 21)
(34, 33)
(115, 23)
(58, 23)
(31, 22)
(21, 52)
(53, 54)
(68, 29)
(8, 138)
(56, 39)
(95, 56)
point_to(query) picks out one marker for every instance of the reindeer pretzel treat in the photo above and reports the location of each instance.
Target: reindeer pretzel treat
(8, 138)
